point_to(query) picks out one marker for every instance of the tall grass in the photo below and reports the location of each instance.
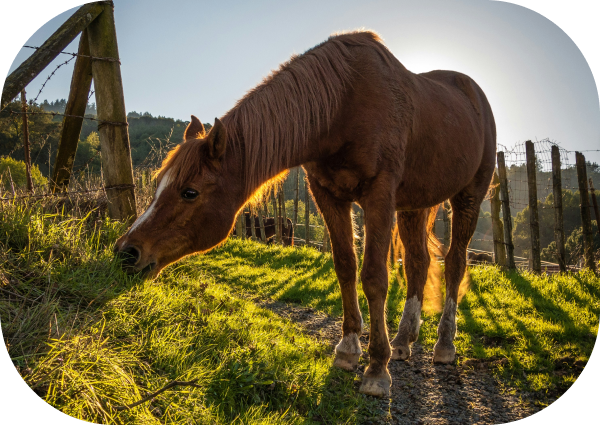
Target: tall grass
(90, 339)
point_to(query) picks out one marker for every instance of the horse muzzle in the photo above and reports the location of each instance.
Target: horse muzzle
(131, 260)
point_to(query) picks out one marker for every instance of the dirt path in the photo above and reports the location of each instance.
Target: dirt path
(422, 393)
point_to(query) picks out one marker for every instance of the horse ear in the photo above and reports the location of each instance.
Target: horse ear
(217, 140)
(194, 130)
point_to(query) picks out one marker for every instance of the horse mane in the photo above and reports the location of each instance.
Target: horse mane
(272, 124)
(275, 120)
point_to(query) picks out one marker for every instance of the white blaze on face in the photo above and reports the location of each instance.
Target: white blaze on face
(151, 209)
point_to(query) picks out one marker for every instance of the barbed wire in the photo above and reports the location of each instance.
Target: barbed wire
(68, 193)
(75, 55)
(48, 79)
(99, 121)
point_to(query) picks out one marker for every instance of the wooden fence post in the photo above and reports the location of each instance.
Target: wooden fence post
(261, 224)
(595, 204)
(252, 223)
(284, 226)
(244, 229)
(446, 218)
(559, 232)
(112, 117)
(534, 222)
(26, 142)
(238, 225)
(296, 198)
(76, 106)
(360, 223)
(306, 214)
(586, 220)
(326, 243)
(497, 228)
(276, 217)
(506, 217)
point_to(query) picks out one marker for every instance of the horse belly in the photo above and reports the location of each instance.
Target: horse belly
(437, 170)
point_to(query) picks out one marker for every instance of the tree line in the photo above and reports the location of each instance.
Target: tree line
(150, 137)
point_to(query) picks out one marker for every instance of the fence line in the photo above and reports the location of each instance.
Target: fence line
(318, 235)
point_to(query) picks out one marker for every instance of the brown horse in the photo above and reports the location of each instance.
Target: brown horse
(366, 130)
(287, 232)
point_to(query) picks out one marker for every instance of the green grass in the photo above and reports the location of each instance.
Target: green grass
(88, 338)
(537, 332)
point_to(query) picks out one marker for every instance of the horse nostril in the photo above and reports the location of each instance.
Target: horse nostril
(130, 255)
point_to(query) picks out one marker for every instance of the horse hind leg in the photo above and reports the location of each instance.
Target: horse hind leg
(413, 233)
(465, 211)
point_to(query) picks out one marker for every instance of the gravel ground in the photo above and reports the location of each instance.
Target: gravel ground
(423, 392)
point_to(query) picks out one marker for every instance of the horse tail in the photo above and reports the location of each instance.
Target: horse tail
(432, 293)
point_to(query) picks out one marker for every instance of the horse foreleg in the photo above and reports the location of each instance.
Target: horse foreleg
(412, 226)
(378, 221)
(465, 210)
(337, 215)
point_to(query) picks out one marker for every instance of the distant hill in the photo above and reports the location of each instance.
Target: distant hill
(150, 137)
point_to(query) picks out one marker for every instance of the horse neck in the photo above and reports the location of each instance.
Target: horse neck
(251, 177)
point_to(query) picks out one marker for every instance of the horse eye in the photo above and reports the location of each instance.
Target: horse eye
(189, 194)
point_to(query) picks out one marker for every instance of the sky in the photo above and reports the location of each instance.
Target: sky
(200, 57)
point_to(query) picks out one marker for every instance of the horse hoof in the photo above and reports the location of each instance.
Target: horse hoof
(444, 354)
(347, 352)
(376, 387)
(346, 361)
(400, 353)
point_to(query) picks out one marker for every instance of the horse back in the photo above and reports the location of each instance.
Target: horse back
(453, 135)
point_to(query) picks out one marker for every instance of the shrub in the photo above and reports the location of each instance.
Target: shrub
(18, 174)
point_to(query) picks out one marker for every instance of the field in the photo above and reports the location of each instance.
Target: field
(92, 341)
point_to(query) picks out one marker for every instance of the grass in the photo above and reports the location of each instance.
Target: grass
(89, 339)
(535, 332)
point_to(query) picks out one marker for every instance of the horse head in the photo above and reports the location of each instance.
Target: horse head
(194, 206)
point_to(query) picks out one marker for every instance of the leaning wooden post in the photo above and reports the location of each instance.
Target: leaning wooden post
(306, 214)
(74, 112)
(559, 232)
(586, 220)
(497, 228)
(534, 222)
(34, 64)
(506, 217)
(112, 117)
(26, 142)
(595, 204)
